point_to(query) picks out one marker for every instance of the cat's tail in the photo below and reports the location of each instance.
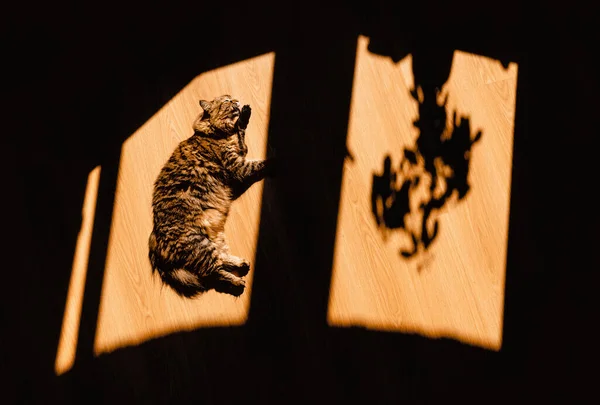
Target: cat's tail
(181, 280)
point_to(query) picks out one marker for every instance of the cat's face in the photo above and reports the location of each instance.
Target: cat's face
(223, 112)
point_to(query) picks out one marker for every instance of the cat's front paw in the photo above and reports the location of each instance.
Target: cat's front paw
(245, 116)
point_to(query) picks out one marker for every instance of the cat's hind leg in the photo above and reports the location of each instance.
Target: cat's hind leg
(228, 283)
(235, 265)
(230, 263)
(219, 272)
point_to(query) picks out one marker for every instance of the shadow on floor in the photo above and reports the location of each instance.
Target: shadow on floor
(100, 74)
(440, 157)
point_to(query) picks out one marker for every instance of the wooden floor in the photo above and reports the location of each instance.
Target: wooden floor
(454, 290)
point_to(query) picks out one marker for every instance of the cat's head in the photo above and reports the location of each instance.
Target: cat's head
(222, 114)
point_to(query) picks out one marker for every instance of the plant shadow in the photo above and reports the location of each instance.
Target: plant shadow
(440, 157)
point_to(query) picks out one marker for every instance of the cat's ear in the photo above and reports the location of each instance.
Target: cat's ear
(205, 106)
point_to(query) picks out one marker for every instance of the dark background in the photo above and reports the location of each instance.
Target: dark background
(79, 78)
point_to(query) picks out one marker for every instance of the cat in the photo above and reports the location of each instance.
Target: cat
(192, 197)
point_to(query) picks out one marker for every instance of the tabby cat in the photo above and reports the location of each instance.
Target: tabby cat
(191, 201)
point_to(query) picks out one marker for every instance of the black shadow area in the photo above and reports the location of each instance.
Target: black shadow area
(101, 73)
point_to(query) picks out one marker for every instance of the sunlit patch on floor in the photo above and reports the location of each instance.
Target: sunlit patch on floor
(135, 307)
(65, 355)
(455, 287)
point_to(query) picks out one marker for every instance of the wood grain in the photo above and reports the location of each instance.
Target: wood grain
(460, 290)
(135, 306)
(65, 355)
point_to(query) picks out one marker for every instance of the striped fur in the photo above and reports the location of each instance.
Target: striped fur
(191, 201)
